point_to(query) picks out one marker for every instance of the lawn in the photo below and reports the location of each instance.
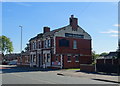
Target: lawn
(73, 69)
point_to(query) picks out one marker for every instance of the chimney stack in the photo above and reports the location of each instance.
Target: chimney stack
(46, 29)
(74, 23)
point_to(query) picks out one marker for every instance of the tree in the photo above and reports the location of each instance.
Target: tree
(103, 54)
(5, 45)
(27, 47)
(94, 56)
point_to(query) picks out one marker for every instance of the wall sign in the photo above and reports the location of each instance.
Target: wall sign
(74, 35)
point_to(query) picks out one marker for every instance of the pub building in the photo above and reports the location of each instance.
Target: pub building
(65, 47)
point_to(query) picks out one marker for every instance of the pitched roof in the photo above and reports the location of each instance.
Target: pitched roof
(47, 33)
(112, 54)
(53, 31)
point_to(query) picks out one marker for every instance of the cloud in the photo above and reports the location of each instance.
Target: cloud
(116, 25)
(110, 31)
(114, 35)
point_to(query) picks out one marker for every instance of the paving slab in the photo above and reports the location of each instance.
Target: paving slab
(109, 78)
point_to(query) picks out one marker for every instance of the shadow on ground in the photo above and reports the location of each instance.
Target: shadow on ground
(25, 69)
(100, 73)
(107, 81)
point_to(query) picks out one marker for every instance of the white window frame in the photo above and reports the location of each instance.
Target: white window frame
(74, 44)
(44, 43)
(78, 58)
(49, 43)
(68, 60)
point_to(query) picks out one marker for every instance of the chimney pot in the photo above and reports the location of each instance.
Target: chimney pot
(72, 16)
(74, 22)
(46, 29)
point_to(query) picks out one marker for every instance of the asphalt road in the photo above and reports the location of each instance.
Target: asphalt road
(14, 75)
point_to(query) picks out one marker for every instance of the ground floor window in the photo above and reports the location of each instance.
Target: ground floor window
(48, 57)
(34, 58)
(76, 58)
(69, 58)
(30, 58)
(56, 58)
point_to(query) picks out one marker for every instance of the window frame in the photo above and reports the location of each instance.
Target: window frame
(39, 44)
(77, 60)
(69, 59)
(64, 43)
(74, 44)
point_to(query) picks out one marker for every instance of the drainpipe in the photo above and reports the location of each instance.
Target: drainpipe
(61, 59)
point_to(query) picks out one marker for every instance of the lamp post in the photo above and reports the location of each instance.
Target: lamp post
(21, 45)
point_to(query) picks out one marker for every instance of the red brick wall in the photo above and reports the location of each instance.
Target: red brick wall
(85, 59)
(87, 68)
(83, 48)
(18, 60)
(71, 64)
(24, 60)
(74, 22)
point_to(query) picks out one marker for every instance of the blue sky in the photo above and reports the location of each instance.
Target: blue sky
(99, 19)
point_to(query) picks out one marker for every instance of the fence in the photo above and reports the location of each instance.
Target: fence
(107, 65)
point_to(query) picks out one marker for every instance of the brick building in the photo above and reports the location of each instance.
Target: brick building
(65, 47)
(25, 60)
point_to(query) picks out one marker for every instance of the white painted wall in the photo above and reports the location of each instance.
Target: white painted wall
(68, 29)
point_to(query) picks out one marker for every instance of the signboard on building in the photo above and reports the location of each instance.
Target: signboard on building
(56, 63)
(74, 35)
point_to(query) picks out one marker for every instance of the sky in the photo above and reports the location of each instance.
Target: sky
(99, 19)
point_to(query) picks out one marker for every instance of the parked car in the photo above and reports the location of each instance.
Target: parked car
(4, 63)
(12, 62)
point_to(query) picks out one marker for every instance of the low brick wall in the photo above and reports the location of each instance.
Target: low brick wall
(87, 68)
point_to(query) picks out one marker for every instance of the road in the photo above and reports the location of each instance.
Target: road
(14, 75)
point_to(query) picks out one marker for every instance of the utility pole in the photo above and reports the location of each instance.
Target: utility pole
(21, 45)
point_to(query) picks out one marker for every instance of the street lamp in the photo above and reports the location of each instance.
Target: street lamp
(21, 44)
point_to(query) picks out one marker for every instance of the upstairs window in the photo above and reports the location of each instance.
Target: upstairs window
(63, 43)
(45, 44)
(33, 45)
(49, 44)
(39, 44)
(74, 44)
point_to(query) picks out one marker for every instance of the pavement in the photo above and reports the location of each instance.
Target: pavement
(67, 72)
(94, 76)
